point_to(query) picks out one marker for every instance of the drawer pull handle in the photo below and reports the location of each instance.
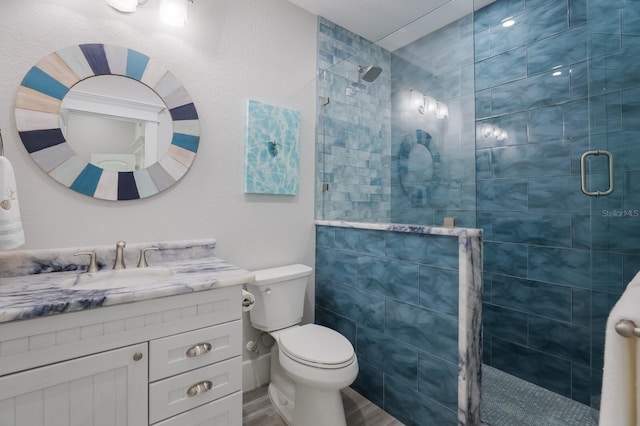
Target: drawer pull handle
(199, 349)
(200, 387)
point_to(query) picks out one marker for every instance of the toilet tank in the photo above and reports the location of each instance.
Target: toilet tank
(279, 294)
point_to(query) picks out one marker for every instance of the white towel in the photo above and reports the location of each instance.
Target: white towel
(11, 233)
(619, 405)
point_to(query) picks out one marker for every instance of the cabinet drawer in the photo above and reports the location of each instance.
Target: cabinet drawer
(169, 397)
(225, 411)
(169, 356)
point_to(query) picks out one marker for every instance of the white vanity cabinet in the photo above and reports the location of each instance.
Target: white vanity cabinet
(168, 361)
(109, 386)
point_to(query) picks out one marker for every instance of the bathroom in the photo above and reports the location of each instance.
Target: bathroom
(269, 51)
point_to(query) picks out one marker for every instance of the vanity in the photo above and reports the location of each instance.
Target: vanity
(96, 340)
(164, 349)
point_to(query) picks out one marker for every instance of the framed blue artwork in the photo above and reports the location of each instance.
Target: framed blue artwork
(272, 150)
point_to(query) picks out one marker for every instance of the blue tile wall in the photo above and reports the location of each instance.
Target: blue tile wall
(492, 15)
(353, 132)
(370, 382)
(581, 307)
(560, 339)
(439, 65)
(532, 297)
(577, 12)
(534, 366)
(413, 408)
(439, 289)
(357, 240)
(505, 258)
(506, 323)
(532, 92)
(389, 277)
(563, 266)
(564, 79)
(437, 250)
(386, 354)
(399, 308)
(531, 160)
(499, 69)
(413, 324)
(566, 48)
(362, 307)
(438, 379)
(551, 229)
(535, 24)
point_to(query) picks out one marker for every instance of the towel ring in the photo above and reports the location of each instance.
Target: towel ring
(627, 328)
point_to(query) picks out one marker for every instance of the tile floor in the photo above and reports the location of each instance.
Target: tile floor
(258, 411)
(508, 401)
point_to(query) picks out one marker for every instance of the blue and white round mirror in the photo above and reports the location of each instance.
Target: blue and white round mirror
(107, 121)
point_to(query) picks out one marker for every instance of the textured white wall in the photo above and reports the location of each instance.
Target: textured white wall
(230, 51)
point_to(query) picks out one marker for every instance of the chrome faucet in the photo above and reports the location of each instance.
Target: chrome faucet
(93, 265)
(142, 261)
(118, 263)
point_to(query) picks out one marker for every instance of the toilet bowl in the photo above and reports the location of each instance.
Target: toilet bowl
(309, 363)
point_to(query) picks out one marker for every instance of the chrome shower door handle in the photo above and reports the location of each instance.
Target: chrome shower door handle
(583, 173)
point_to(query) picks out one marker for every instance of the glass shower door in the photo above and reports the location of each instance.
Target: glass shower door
(610, 165)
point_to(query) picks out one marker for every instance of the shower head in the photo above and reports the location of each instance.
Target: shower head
(369, 73)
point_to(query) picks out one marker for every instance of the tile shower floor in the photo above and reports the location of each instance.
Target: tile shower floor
(258, 411)
(507, 401)
(510, 401)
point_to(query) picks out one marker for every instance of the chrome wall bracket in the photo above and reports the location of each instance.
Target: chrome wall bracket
(627, 328)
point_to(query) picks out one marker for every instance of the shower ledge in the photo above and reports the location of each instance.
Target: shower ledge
(400, 227)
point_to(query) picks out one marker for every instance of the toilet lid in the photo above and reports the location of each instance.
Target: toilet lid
(318, 346)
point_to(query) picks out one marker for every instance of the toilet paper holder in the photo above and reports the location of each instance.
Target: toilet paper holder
(248, 300)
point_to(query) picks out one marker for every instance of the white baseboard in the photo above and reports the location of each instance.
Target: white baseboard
(255, 372)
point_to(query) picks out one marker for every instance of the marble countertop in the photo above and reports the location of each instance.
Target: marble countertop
(399, 227)
(39, 294)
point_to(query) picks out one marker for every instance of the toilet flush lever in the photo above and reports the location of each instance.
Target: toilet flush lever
(267, 291)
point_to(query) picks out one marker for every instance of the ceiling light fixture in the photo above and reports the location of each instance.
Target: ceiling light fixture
(126, 6)
(427, 104)
(508, 22)
(417, 100)
(442, 111)
(431, 104)
(174, 12)
(488, 131)
(557, 71)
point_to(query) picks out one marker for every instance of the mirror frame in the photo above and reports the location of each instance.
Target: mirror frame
(38, 102)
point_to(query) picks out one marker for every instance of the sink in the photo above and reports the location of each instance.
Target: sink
(134, 277)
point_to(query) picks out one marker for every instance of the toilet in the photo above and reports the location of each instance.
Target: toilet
(309, 363)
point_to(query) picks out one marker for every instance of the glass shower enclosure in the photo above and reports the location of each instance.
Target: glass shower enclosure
(518, 117)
